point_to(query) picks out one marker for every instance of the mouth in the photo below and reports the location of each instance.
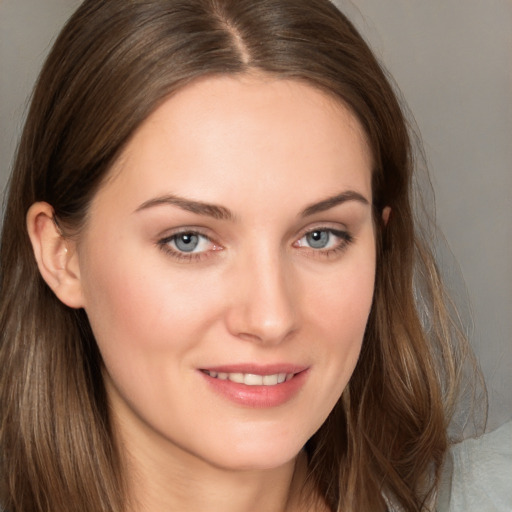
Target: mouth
(251, 379)
(256, 386)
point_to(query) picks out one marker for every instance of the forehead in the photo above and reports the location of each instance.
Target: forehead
(223, 136)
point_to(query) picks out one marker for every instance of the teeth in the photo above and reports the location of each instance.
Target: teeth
(250, 379)
(270, 380)
(253, 380)
(236, 377)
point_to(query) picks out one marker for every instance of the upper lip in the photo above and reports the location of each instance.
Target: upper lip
(256, 369)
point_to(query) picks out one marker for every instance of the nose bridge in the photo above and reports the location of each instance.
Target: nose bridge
(265, 307)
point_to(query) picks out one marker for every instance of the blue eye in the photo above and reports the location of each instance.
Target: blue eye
(318, 239)
(324, 241)
(188, 245)
(186, 242)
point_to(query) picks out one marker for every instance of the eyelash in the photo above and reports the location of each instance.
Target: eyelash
(345, 240)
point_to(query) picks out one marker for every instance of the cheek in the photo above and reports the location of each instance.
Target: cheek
(148, 325)
(342, 326)
(135, 306)
(341, 302)
(337, 315)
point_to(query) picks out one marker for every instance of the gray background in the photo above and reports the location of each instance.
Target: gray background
(453, 62)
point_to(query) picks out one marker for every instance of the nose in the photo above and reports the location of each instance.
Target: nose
(263, 306)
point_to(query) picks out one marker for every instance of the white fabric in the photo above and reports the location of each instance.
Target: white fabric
(479, 474)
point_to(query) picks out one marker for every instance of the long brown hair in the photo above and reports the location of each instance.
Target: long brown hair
(114, 62)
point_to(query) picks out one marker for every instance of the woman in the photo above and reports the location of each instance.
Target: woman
(213, 293)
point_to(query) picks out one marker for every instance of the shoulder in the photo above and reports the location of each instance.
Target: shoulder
(478, 475)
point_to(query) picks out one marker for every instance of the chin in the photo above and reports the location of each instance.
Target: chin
(255, 462)
(254, 456)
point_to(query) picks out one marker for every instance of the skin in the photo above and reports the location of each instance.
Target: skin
(253, 291)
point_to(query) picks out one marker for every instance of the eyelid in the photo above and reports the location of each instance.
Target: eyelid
(323, 226)
(168, 233)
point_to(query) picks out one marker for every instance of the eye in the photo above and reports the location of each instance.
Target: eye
(324, 240)
(188, 245)
(186, 242)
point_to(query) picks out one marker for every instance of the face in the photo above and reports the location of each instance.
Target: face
(227, 269)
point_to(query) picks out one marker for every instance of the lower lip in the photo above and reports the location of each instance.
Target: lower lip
(258, 396)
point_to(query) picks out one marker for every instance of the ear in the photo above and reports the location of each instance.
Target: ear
(55, 255)
(386, 211)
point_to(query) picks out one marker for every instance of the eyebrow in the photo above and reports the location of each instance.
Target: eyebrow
(210, 210)
(331, 202)
(223, 213)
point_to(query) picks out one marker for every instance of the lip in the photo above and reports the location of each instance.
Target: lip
(257, 396)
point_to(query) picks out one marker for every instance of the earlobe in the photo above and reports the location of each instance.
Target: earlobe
(55, 255)
(386, 211)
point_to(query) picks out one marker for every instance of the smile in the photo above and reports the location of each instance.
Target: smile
(251, 379)
(255, 386)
